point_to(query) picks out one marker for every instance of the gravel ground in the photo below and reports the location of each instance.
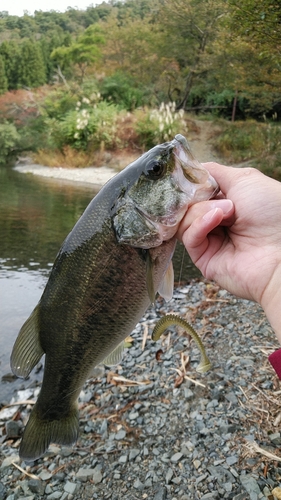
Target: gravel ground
(153, 428)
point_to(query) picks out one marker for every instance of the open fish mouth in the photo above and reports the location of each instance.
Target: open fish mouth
(190, 175)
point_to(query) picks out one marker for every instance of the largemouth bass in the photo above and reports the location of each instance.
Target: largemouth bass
(107, 272)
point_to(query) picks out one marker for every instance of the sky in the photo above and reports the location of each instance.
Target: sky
(17, 7)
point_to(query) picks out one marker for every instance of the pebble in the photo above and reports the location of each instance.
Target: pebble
(45, 475)
(70, 487)
(165, 439)
(176, 457)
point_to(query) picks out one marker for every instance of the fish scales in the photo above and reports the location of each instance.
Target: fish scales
(106, 274)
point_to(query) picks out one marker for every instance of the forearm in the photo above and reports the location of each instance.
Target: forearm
(271, 302)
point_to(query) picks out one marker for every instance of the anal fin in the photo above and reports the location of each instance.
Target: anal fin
(166, 288)
(115, 357)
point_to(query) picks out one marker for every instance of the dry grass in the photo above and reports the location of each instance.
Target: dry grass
(68, 158)
(71, 158)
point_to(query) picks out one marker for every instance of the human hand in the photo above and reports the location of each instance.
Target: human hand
(236, 241)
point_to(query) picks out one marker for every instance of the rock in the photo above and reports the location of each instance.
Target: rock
(169, 475)
(176, 457)
(277, 492)
(161, 493)
(138, 485)
(70, 487)
(36, 486)
(55, 495)
(2, 491)
(9, 460)
(12, 429)
(45, 475)
(97, 475)
(133, 454)
(120, 435)
(251, 486)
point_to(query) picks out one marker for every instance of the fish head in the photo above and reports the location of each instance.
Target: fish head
(159, 188)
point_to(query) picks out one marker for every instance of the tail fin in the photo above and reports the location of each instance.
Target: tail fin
(40, 433)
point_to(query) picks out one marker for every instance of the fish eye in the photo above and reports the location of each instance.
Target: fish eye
(156, 170)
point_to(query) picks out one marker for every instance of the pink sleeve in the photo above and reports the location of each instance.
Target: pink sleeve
(275, 360)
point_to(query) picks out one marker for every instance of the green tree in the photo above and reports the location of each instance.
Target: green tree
(31, 69)
(133, 48)
(3, 78)
(10, 51)
(254, 34)
(84, 51)
(190, 28)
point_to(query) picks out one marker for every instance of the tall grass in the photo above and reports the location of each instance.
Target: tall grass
(249, 140)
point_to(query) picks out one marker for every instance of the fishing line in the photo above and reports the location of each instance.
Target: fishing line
(181, 266)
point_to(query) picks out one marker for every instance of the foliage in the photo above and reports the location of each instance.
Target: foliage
(198, 53)
(10, 53)
(58, 102)
(191, 28)
(84, 51)
(269, 160)
(202, 54)
(122, 90)
(9, 139)
(91, 125)
(239, 141)
(160, 125)
(249, 140)
(31, 68)
(3, 77)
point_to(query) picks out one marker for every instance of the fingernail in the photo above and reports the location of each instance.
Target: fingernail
(209, 215)
(225, 205)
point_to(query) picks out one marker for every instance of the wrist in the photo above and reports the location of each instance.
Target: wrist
(271, 302)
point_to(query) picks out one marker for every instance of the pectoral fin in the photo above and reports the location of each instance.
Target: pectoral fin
(166, 288)
(27, 350)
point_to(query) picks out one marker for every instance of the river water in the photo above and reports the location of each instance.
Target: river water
(36, 214)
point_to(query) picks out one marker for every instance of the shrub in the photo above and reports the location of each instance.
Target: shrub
(239, 141)
(89, 126)
(121, 90)
(160, 124)
(251, 140)
(9, 140)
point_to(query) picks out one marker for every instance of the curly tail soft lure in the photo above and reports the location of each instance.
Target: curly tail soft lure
(172, 319)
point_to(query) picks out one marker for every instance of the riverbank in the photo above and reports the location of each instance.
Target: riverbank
(199, 142)
(89, 175)
(153, 428)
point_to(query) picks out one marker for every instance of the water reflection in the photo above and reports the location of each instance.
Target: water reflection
(35, 216)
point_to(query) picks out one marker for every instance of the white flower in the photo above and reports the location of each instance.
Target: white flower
(86, 100)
